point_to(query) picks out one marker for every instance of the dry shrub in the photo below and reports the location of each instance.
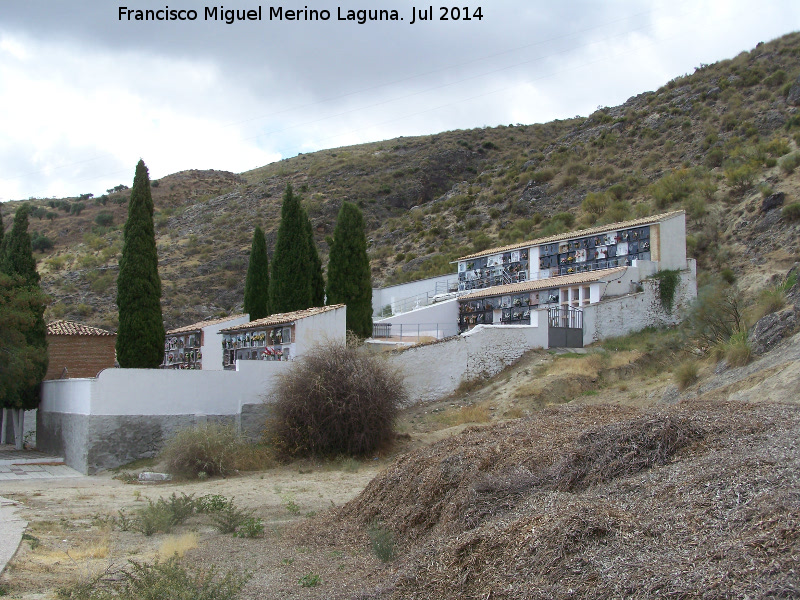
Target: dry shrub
(724, 517)
(212, 449)
(336, 400)
(622, 449)
(686, 374)
(737, 350)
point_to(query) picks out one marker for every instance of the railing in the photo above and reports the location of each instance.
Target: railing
(413, 332)
(423, 298)
(565, 316)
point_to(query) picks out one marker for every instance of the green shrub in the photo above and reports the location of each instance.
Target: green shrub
(249, 528)
(668, 281)
(153, 581)
(716, 315)
(156, 517)
(791, 212)
(210, 503)
(104, 219)
(728, 276)
(382, 541)
(595, 203)
(230, 518)
(737, 350)
(789, 163)
(40, 242)
(336, 400)
(310, 580)
(741, 177)
(672, 188)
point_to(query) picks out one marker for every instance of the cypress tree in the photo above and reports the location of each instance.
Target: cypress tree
(290, 283)
(349, 280)
(140, 338)
(256, 287)
(24, 347)
(18, 253)
(315, 267)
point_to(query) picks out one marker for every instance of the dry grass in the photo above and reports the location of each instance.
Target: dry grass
(96, 549)
(686, 374)
(177, 545)
(477, 413)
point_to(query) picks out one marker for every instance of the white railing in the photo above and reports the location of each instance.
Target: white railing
(413, 332)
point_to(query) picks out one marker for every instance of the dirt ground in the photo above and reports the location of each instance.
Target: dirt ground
(70, 534)
(74, 527)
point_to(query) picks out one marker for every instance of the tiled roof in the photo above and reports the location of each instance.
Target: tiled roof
(281, 318)
(201, 324)
(73, 328)
(576, 234)
(543, 284)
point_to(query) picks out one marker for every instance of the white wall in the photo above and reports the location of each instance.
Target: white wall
(163, 391)
(432, 371)
(673, 242)
(72, 396)
(330, 326)
(444, 314)
(395, 293)
(212, 342)
(618, 316)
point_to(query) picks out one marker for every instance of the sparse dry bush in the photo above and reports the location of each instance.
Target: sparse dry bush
(336, 400)
(212, 449)
(686, 374)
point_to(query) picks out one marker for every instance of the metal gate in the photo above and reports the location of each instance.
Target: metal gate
(564, 327)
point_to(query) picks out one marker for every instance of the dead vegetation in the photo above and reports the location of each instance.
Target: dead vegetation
(693, 500)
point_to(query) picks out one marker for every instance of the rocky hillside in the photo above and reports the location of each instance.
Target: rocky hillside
(721, 143)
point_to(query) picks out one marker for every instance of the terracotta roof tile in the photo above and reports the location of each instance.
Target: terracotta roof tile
(198, 326)
(73, 328)
(281, 318)
(543, 284)
(576, 234)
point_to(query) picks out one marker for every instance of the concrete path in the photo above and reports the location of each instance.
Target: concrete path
(11, 529)
(16, 465)
(23, 465)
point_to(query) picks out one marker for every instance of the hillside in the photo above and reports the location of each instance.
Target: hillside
(716, 142)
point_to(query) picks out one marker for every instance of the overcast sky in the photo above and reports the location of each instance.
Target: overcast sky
(84, 95)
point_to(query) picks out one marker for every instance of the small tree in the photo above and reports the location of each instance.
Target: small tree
(290, 283)
(256, 287)
(349, 278)
(140, 338)
(336, 400)
(23, 364)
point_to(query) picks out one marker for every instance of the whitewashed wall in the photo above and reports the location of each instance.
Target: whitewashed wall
(435, 370)
(126, 414)
(330, 326)
(633, 312)
(673, 242)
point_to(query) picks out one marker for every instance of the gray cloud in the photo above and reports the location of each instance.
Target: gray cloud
(262, 88)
